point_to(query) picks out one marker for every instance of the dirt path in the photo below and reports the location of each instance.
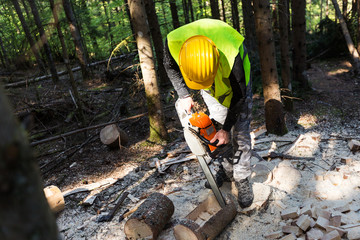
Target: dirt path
(325, 119)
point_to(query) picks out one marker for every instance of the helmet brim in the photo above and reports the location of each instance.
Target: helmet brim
(197, 86)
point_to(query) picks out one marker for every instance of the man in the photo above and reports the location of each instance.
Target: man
(209, 55)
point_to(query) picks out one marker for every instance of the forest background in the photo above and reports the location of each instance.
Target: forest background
(67, 42)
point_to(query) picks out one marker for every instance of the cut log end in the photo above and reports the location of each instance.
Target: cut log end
(137, 229)
(113, 136)
(187, 231)
(54, 198)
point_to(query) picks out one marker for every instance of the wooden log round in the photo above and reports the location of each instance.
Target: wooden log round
(206, 221)
(113, 136)
(54, 198)
(150, 218)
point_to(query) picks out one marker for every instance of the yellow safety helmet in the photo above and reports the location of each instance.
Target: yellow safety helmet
(199, 62)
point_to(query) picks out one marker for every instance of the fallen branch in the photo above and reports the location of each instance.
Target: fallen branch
(287, 156)
(45, 77)
(90, 187)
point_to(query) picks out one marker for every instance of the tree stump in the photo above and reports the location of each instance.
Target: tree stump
(54, 198)
(113, 136)
(150, 218)
(206, 221)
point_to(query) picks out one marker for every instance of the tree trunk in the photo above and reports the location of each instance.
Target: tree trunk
(34, 46)
(235, 14)
(75, 33)
(185, 11)
(55, 10)
(285, 59)
(4, 54)
(44, 41)
(249, 23)
(353, 52)
(214, 5)
(275, 15)
(299, 43)
(150, 218)
(274, 114)
(345, 6)
(223, 10)
(191, 10)
(157, 40)
(174, 14)
(358, 24)
(164, 15)
(109, 34)
(138, 18)
(24, 212)
(321, 10)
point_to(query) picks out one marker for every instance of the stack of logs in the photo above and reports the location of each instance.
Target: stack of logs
(315, 223)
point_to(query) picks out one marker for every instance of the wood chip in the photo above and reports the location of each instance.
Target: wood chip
(303, 222)
(322, 222)
(314, 234)
(354, 145)
(290, 213)
(274, 235)
(292, 229)
(333, 235)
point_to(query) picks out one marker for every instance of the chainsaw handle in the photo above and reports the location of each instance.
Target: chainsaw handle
(204, 140)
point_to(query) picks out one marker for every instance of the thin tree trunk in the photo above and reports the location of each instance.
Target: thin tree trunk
(4, 54)
(214, 5)
(174, 14)
(80, 52)
(274, 114)
(138, 18)
(55, 10)
(299, 43)
(44, 41)
(163, 9)
(24, 212)
(34, 46)
(285, 59)
(109, 33)
(157, 40)
(353, 52)
(321, 9)
(327, 8)
(249, 23)
(191, 10)
(275, 15)
(358, 24)
(185, 11)
(345, 6)
(223, 10)
(235, 14)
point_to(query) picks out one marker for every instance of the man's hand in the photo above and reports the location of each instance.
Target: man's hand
(223, 137)
(186, 104)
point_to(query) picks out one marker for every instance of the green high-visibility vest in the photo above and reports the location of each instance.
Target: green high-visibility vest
(229, 43)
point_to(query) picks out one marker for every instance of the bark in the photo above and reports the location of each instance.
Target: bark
(223, 10)
(352, 50)
(141, 28)
(214, 5)
(157, 40)
(24, 212)
(150, 218)
(285, 58)
(174, 14)
(249, 23)
(235, 14)
(34, 46)
(274, 114)
(275, 15)
(299, 44)
(55, 10)
(75, 33)
(44, 41)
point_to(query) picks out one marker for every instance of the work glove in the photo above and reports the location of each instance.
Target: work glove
(186, 103)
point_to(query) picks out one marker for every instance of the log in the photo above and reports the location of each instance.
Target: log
(150, 218)
(113, 137)
(54, 198)
(206, 221)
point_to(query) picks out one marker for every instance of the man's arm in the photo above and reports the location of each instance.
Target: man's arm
(174, 74)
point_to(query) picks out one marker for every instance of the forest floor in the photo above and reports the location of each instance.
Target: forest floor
(324, 120)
